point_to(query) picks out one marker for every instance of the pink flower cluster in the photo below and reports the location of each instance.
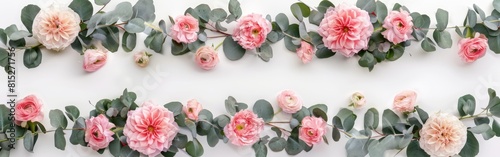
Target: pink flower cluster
(252, 31)
(404, 102)
(94, 59)
(206, 57)
(474, 48)
(28, 109)
(244, 128)
(185, 29)
(98, 132)
(289, 102)
(192, 109)
(312, 130)
(398, 26)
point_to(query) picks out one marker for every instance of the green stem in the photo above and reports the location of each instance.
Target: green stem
(35, 133)
(282, 129)
(117, 129)
(153, 27)
(101, 8)
(218, 45)
(279, 111)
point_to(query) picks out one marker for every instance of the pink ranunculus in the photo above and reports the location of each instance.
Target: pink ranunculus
(244, 129)
(185, 29)
(56, 27)
(252, 31)
(346, 29)
(94, 59)
(98, 132)
(206, 57)
(192, 109)
(472, 49)
(398, 26)
(150, 129)
(443, 135)
(305, 52)
(142, 58)
(289, 102)
(405, 101)
(312, 130)
(28, 109)
(357, 100)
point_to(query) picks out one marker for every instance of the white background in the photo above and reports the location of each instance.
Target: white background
(439, 78)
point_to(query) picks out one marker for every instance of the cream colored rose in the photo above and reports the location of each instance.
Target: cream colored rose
(56, 27)
(443, 135)
(357, 100)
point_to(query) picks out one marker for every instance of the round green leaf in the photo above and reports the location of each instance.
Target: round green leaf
(335, 134)
(203, 10)
(381, 11)
(32, 57)
(194, 148)
(300, 10)
(218, 15)
(72, 112)
(282, 21)
(264, 110)
(428, 45)
(367, 60)
(129, 41)
(83, 8)
(414, 150)
(28, 14)
(57, 119)
(471, 147)
(466, 105)
(212, 138)
(59, 140)
(174, 107)
(292, 147)
(277, 144)
(442, 19)
(368, 5)
(371, 119)
(101, 2)
(29, 141)
(348, 123)
(324, 5)
(232, 49)
(135, 25)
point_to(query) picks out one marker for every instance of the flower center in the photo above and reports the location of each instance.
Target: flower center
(310, 133)
(97, 61)
(400, 25)
(240, 127)
(346, 29)
(290, 99)
(151, 128)
(190, 110)
(255, 32)
(96, 134)
(186, 27)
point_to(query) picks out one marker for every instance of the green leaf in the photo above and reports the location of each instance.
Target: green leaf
(422, 114)
(277, 144)
(212, 138)
(322, 107)
(218, 15)
(203, 11)
(480, 12)
(57, 119)
(367, 60)
(19, 35)
(442, 19)
(496, 128)
(348, 123)
(371, 119)
(292, 147)
(101, 2)
(266, 52)
(180, 141)
(135, 25)
(335, 134)
(317, 112)
(300, 10)
(395, 53)
(299, 115)
(303, 32)
(175, 107)
(471, 147)
(472, 18)
(381, 11)
(494, 100)
(59, 140)
(123, 11)
(72, 112)
(264, 110)
(32, 57)
(479, 129)
(496, 5)
(466, 105)
(414, 150)
(260, 149)
(442, 38)
(4, 57)
(145, 10)
(494, 43)
(292, 30)
(179, 48)
(428, 45)
(368, 5)
(128, 98)
(194, 148)
(235, 10)
(222, 120)
(83, 8)
(3, 36)
(78, 134)
(127, 152)
(29, 141)
(109, 37)
(4, 121)
(232, 49)
(324, 52)
(495, 110)
(129, 41)
(389, 119)
(230, 104)
(115, 146)
(324, 5)
(155, 41)
(316, 17)
(28, 14)
(282, 21)
(356, 147)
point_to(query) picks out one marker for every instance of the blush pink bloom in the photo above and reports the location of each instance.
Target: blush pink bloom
(98, 132)
(251, 31)
(357, 100)
(150, 129)
(405, 101)
(206, 57)
(398, 26)
(142, 58)
(94, 59)
(289, 102)
(192, 109)
(56, 27)
(305, 52)
(185, 29)
(312, 130)
(472, 49)
(244, 129)
(443, 135)
(346, 29)
(28, 109)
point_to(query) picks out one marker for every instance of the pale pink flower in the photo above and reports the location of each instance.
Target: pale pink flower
(28, 109)
(289, 102)
(346, 29)
(56, 27)
(312, 130)
(443, 135)
(357, 100)
(206, 57)
(244, 129)
(150, 129)
(472, 49)
(398, 26)
(98, 132)
(252, 31)
(142, 58)
(94, 59)
(305, 52)
(192, 109)
(405, 101)
(185, 29)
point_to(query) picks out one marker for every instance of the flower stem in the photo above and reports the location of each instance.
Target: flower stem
(101, 8)
(282, 129)
(117, 129)
(279, 111)
(153, 27)
(482, 114)
(218, 45)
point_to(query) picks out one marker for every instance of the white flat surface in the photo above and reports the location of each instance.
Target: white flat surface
(439, 78)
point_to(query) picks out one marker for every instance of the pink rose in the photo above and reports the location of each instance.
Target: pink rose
(244, 129)
(405, 101)
(94, 59)
(192, 109)
(251, 31)
(185, 29)
(346, 29)
(98, 132)
(472, 49)
(56, 27)
(289, 102)
(398, 26)
(28, 109)
(150, 129)
(206, 57)
(305, 52)
(312, 130)
(142, 58)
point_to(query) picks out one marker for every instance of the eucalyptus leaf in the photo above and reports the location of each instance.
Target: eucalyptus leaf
(414, 150)
(264, 110)
(32, 58)
(293, 147)
(471, 18)
(218, 15)
(282, 21)
(466, 105)
(428, 45)
(135, 25)
(471, 147)
(83, 8)
(442, 38)
(371, 119)
(277, 144)
(101, 2)
(28, 14)
(442, 19)
(324, 52)
(324, 5)
(381, 11)
(129, 41)
(480, 12)
(300, 10)
(194, 148)
(59, 139)
(232, 49)
(368, 5)
(29, 141)
(72, 112)
(145, 10)
(174, 107)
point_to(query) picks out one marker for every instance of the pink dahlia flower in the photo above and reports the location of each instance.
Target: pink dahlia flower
(252, 31)
(244, 129)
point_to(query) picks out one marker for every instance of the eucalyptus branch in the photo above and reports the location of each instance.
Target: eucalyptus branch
(214, 29)
(154, 27)
(282, 129)
(484, 113)
(102, 8)
(36, 133)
